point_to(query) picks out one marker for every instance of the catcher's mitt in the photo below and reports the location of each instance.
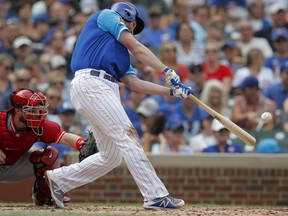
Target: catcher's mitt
(89, 147)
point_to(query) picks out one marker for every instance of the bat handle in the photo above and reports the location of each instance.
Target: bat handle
(259, 125)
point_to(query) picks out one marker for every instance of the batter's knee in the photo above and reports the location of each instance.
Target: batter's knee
(113, 159)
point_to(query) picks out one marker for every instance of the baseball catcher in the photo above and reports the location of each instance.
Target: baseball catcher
(23, 124)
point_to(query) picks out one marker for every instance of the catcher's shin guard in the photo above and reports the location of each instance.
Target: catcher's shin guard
(42, 161)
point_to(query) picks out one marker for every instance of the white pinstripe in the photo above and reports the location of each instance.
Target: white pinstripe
(98, 100)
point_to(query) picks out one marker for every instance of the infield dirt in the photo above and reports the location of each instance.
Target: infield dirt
(32, 210)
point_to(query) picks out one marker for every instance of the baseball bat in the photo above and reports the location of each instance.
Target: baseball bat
(260, 125)
(231, 126)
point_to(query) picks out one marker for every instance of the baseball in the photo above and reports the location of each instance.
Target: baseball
(266, 116)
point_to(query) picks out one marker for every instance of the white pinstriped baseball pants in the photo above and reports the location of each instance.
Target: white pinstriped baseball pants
(98, 100)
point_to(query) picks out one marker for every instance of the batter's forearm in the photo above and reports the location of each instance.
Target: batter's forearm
(146, 87)
(71, 140)
(148, 58)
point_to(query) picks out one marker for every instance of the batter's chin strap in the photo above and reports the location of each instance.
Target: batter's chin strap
(42, 161)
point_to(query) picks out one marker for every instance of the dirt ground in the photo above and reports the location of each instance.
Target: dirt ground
(134, 210)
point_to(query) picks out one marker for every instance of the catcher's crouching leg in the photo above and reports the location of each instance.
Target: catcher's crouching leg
(42, 161)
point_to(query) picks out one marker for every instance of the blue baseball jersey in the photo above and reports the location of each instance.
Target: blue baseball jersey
(98, 47)
(232, 148)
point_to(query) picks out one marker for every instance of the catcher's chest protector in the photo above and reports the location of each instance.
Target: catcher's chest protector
(14, 144)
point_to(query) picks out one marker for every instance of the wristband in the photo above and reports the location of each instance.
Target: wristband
(165, 70)
(79, 143)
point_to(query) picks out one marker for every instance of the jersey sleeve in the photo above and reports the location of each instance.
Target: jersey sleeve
(131, 70)
(109, 21)
(51, 132)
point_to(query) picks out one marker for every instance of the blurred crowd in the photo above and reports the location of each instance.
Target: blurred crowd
(232, 53)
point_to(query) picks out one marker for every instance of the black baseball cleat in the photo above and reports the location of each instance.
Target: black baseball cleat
(56, 193)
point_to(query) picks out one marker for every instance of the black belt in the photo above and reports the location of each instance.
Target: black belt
(106, 76)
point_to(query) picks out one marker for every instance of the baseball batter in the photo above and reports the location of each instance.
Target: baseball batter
(99, 61)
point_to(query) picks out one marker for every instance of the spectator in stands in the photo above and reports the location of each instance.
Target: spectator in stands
(232, 56)
(2, 27)
(32, 63)
(225, 4)
(214, 69)
(191, 114)
(215, 29)
(21, 80)
(269, 146)
(41, 6)
(9, 33)
(283, 117)
(249, 106)
(41, 26)
(154, 35)
(67, 115)
(205, 138)
(145, 72)
(59, 18)
(69, 7)
(223, 143)
(172, 138)
(199, 22)
(255, 67)
(188, 51)
(57, 43)
(54, 99)
(197, 77)
(213, 95)
(235, 16)
(57, 79)
(77, 24)
(5, 10)
(248, 41)
(23, 9)
(278, 92)
(167, 104)
(277, 11)
(134, 101)
(88, 7)
(168, 55)
(60, 63)
(180, 12)
(22, 48)
(280, 57)
(258, 19)
(6, 69)
(152, 124)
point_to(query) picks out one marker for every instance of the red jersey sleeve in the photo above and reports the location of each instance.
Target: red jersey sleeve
(226, 71)
(51, 132)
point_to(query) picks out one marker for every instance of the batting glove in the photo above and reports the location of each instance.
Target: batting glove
(180, 90)
(169, 75)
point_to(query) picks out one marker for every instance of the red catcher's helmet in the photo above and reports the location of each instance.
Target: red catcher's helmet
(34, 107)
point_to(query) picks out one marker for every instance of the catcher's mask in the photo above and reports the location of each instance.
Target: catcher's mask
(34, 107)
(129, 13)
